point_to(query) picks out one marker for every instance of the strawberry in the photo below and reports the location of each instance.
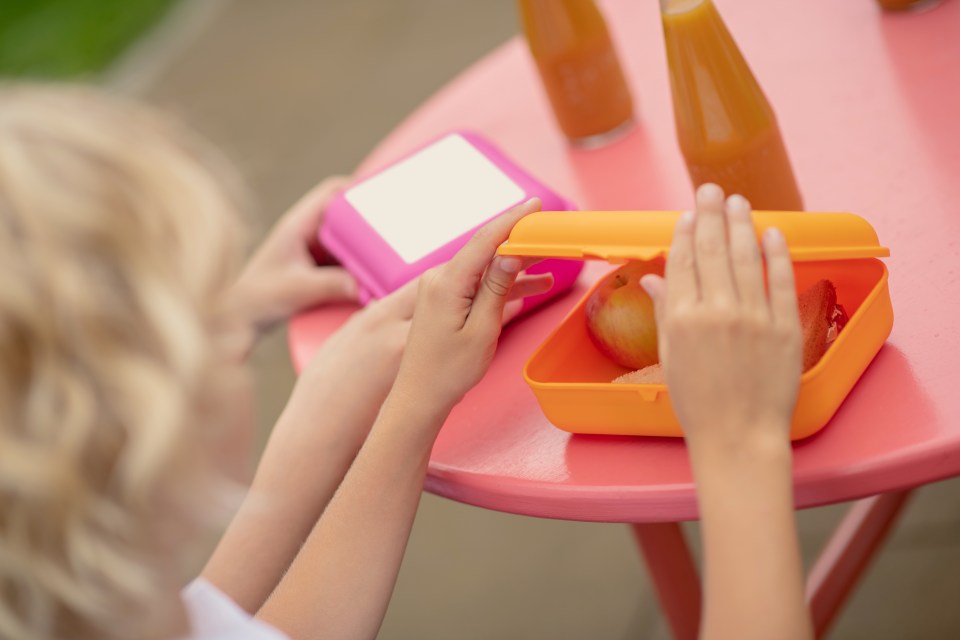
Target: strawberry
(821, 319)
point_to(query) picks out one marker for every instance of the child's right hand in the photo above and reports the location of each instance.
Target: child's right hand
(730, 350)
(459, 313)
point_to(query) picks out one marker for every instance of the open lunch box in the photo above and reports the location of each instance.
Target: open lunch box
(572, 379)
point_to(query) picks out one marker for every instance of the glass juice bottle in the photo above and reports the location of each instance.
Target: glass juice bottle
(579, 68)
(727, 130)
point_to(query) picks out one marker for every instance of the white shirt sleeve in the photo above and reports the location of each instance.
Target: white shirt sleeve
(214, 616)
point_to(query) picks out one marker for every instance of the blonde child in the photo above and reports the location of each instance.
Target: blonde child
(124, 401)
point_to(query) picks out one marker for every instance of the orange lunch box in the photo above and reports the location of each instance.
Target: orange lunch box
(571, 378)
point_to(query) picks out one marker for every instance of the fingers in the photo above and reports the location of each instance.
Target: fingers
(487, 309)
(530, 262)
(530, 285)
(682, 287)
(496, 275)
(524, 287)
(710, 245)
(745, 259)
(780, 279)
(307, 214)
(471, 261)
(654, 285)
(324, 285)
(402, 302)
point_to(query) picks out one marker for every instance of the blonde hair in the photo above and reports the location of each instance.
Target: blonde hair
(117, 242)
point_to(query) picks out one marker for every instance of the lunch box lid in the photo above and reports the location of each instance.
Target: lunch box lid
(618, 236)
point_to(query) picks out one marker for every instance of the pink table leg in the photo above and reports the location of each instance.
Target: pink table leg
(849, 551)
(674, 575)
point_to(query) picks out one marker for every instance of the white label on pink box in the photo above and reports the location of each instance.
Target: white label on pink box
(423, 202)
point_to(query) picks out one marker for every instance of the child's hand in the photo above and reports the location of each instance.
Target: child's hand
(348, 378)
(363, 356)
(731, 351)
(324, 424)
(459, 313)
(282, 277)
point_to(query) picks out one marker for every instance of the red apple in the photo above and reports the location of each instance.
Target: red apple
(620, 317)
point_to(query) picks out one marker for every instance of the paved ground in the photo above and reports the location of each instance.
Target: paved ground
(299, 89)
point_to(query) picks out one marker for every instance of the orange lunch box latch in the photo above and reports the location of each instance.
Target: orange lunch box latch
(648, 393)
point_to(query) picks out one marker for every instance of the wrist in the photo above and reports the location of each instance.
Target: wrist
(752, 483)
(417, 395)
(766, 447)
(322, 418)
(419, 414)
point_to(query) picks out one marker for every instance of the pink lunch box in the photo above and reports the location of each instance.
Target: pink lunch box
(416, 213)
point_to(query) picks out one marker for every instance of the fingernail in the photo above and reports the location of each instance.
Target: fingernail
(509, 264)
(710, 191)
(738, 208)
(645, 285)
(773, 238)
(686, 220)
(532, 202)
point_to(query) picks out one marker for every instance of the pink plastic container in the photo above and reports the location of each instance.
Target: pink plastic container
(393, 225)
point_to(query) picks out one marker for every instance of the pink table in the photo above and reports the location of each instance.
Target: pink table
(868, 104)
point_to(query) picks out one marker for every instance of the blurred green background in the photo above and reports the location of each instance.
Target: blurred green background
(70, 38)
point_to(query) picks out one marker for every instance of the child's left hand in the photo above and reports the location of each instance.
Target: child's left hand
(460, 309)
(282, 277)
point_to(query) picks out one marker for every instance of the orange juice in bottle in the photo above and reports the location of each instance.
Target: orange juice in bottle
(579, 67)
(727, 130)
(906, 5)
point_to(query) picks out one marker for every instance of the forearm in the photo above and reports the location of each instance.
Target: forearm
(340, 583)
(294, 482)
(753, 572)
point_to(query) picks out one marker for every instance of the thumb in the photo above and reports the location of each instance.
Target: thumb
(323, 285)
(308, 212)
(655, 286)
(495, 286)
